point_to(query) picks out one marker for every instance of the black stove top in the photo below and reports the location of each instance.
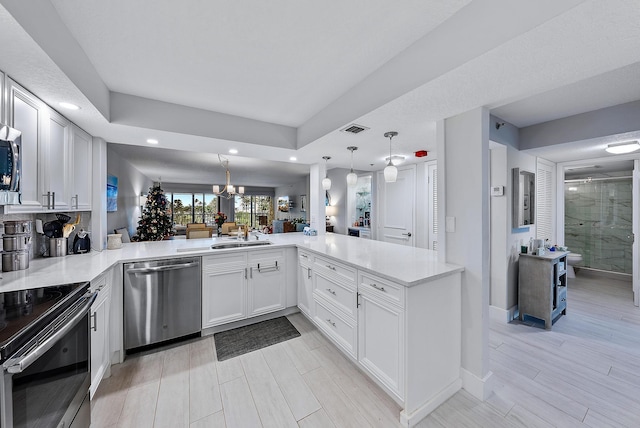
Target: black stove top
(24, 313)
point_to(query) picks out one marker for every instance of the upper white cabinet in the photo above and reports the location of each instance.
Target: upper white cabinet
(55, 162)
(56, 156)
(81, 176)
(24, 112)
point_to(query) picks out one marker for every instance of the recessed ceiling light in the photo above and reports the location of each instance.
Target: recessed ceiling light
(620, 148)
(69, 106)
(152, 141)
(293, 158)
(233, 151)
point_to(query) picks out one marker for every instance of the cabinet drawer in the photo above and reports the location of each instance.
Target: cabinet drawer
(341, 296)
(305, 258)
(336, 270)
(381, 288)
(340, 330)
(225, 262)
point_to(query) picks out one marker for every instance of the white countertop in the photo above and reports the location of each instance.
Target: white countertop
(406, 265)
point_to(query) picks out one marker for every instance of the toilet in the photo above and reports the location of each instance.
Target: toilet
(572, 259)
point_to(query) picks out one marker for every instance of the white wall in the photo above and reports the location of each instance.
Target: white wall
(131, 183)
(516, 237)
(500, 224)
(293, 191)
(463, 152)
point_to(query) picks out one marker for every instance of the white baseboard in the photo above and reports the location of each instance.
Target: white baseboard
(502, 315)
(421, 412)
(479, 388)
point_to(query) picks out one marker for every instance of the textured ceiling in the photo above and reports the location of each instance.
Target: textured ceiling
(295, 63)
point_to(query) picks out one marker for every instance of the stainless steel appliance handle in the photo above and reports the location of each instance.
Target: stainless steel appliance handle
(61, 326)
(162, 268)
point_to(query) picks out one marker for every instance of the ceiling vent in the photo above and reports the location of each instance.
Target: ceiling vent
(354, 129)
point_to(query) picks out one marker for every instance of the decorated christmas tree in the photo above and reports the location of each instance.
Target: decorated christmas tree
(155, 222)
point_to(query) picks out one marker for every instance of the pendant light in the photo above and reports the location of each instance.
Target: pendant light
(390, 171)
(326, 181)
(352, 178)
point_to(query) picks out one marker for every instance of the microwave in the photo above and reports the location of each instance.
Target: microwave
(10, 165)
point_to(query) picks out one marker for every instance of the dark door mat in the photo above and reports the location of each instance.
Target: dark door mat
(241, 340)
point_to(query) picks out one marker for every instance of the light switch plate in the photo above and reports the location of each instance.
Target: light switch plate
(450, 224)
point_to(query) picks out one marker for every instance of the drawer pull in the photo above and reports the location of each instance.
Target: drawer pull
(378, 288)
(331, 291)
(331, 322)
(268, 268)
(331, 267)
(304, 255)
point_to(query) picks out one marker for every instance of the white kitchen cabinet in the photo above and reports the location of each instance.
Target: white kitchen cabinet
(224, 289)
(405, 338)
(267, 286)
(100, 336)
(24, 112)
(81, 175)
(56, 156)
(55, 166)
(381, 332)
(242, 285)
(305, 282)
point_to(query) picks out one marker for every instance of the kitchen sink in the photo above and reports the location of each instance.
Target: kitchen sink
(238, 244)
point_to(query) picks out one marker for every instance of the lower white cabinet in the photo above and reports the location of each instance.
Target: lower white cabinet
(267, 284)
(381, 340)
(305, 283)
(242, 285)
(100, 349)
(224, 289)
(407, 339)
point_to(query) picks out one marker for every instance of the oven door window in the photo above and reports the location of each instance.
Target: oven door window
(48, 388)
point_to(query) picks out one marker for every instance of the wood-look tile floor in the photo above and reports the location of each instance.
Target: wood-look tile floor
(584, 372)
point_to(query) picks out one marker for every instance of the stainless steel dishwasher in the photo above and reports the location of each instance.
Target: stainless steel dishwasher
(162, 300)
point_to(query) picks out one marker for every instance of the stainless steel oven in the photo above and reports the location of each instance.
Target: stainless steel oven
(44, 352)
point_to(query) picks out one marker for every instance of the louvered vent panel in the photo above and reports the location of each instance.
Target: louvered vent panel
(434, 213)
(354, 129)
(544, 202)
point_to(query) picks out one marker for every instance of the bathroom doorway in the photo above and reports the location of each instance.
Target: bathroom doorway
(598, 214)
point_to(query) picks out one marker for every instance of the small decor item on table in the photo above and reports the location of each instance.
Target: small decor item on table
(155, 221)
(220, 218)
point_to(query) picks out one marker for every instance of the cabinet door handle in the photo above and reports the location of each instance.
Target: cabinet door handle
(408, 234)
(48, 196)
(74, 198)
(331, 267)
(331, 291)
(53, 200)
(94, 316)
(331, 322)
(304, 255)
(357, 300)
(251, 271)
(245, 273)
(308, 273)
(378, 288)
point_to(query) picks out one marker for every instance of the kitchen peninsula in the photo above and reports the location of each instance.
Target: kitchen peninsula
(393, 310)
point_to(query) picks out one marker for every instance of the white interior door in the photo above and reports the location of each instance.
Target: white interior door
(635, 228)
(397, 208)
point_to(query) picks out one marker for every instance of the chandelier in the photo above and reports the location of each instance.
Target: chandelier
(229, 190)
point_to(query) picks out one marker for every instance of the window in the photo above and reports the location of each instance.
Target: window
(255, 211)
(193, 207)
